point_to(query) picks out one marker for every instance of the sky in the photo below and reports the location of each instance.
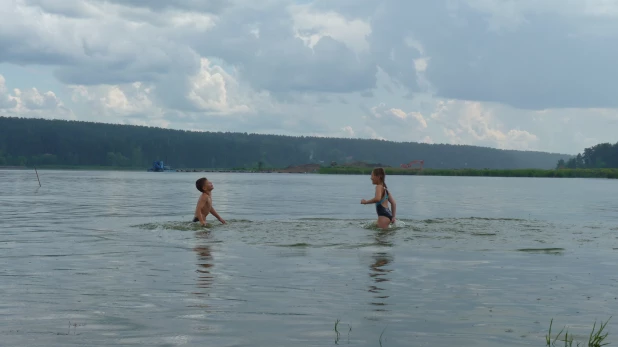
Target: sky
(510, 74)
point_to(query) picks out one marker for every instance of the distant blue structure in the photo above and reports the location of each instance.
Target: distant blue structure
(157, 166)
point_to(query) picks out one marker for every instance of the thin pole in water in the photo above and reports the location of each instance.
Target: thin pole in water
(37, 176)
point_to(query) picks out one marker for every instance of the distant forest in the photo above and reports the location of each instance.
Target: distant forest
(604, 155)
(28, 142)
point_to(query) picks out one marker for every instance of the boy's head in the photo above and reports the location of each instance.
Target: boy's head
(203, 185)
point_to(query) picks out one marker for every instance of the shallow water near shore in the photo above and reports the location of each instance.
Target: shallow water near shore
(111, 259)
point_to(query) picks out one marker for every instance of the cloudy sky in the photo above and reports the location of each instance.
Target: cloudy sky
(517, 74)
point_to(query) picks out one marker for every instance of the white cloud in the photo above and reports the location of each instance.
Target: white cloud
(6, 100)
(369, 132)
(209, 90)
(471, 123)
(450, 121)
(32, 99)
(128, 104)
(311, 25)
(397, 115)
(31, 103)
(348, 131)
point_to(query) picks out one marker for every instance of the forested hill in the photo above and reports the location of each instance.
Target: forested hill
(603, 155)
(57, 142)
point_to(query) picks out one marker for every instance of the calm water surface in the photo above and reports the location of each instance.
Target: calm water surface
(111, 259)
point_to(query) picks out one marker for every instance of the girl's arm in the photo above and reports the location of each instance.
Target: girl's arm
(376, 198)
(391, 199)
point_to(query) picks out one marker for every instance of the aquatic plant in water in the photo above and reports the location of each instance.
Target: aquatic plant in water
(337, 331)
(596, 338)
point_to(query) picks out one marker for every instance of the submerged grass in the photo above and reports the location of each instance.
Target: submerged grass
(596, 338)
(380, 340)
(560, 173)
(337, 332)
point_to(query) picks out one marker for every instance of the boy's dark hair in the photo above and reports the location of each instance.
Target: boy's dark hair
(199, 184)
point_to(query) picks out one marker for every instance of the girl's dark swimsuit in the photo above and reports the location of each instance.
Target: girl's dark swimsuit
(384, 211)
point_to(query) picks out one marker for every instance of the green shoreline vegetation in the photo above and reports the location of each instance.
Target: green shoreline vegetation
(538, 173)
(40, 142)
(556, 173)
(76, 145)
(73, 168)
(108, 168)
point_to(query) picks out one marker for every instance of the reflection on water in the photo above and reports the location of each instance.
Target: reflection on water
(379, 274)
(379, 271)
(204, 262)
(384, 237)
(555, 251)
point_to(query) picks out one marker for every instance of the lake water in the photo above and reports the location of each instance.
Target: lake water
(111, 259)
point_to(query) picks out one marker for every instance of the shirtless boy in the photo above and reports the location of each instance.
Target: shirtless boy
(204, 204)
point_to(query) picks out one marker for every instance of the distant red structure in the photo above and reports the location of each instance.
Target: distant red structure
(412, 163)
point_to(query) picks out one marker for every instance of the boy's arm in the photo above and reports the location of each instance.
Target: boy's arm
(214, 213)
(376, 198)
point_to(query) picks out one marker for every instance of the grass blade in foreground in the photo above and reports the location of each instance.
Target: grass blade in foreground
(596, 338)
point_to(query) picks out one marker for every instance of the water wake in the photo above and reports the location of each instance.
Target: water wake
(481, 234)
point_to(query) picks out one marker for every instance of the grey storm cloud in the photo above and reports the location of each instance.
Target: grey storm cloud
(211, 6)
(547, 60)
(270, 57)
(71, 9)
(79, 9)
(531, 55)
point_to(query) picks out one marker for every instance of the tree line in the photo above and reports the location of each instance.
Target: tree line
(41, 142)
(601, 156)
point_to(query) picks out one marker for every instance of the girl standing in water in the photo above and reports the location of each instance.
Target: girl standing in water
(381, 199)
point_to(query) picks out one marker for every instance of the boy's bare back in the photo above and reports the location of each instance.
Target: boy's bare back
(204, 203)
